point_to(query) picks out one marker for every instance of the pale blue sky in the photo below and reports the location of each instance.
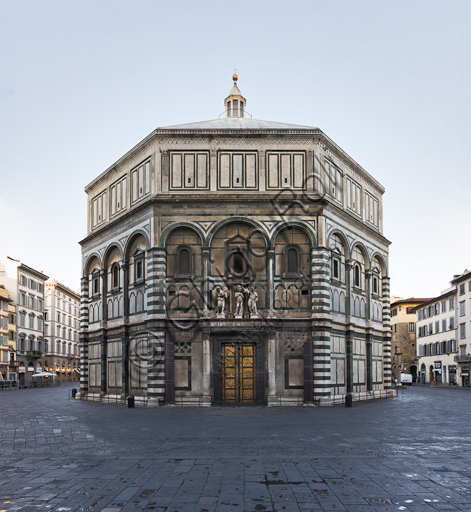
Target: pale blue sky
(83, 82)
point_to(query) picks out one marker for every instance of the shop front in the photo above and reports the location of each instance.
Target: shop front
(465, 376)
(437, 372)
(452, 374)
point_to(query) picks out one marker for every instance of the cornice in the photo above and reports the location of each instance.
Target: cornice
(30, 270)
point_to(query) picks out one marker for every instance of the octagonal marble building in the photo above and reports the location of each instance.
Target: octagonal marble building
(235, 261)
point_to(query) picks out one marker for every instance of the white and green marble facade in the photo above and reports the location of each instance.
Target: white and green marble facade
(267, 186)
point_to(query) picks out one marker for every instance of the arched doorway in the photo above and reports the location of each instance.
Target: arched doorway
(431, 375)
(413, 371)
(423, 373)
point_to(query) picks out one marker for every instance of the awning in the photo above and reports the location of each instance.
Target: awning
(44, 374)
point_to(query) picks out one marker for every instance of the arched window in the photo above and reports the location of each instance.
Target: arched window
(236, 264)
(292, 261)
(357, 276)
(115, 277)
(241, 109)
(228, 109)
(184, 261)
(235, 108)
(96, 286)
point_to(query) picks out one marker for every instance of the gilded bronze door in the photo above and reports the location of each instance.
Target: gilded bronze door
(238, 373)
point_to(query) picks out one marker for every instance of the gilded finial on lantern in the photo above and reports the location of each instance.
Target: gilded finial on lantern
(234, 76)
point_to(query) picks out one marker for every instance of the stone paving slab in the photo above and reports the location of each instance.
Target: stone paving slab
(62, 455)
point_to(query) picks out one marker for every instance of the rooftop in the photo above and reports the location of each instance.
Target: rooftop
(237, 123)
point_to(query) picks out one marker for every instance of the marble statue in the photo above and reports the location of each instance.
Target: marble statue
(222, 294)
(239, 296)
(252, 301)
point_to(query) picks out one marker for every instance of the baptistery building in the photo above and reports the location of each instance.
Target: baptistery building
(235, 261)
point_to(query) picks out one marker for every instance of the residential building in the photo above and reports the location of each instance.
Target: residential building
(26, 288)
(235, 261)
(12, 320)
(463, 326)
(4, 334)
(62, 354)
(403, 344)
(436, 338)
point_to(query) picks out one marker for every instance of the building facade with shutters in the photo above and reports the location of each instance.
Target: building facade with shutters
(26, 287)
(8, 368)
(463, 327)
(403, 346)
(235, 261)
(62, 354)
(436, 339)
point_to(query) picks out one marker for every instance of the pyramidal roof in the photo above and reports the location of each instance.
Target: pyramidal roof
(235, 118)
(240, 123)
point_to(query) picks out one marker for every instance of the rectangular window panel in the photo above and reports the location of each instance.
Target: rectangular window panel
(225, 169)
(371, 209)
(98, 210)
(176, 171)
(250, 167)
(113, 200)
(273, 171)
(298, 166)
(202, 170)
(237, 171)
(140, 171)
(118, 197)
(285, 170)
(353, 196)
(189, 170)
(147, 178)
(134, 186)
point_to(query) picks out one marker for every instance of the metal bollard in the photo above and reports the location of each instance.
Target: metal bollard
(348, 400)
(74, 392)
(130, 401)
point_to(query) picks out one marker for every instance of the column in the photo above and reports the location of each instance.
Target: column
(349, 360)
(104, 363)
(83, 345)
(271, 280)
(349, 309)
(369, 362)
(169, 369)
(124, 267)
(387, 335)
(156, 281)
(206, 399)
(124, 364)
(368, 275)
(104, 295)
(83, 306)
(272, 398)
(206, 254)
(308, 373)
(156, 290)
(321, 323)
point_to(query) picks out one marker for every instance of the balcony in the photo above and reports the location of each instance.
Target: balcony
(463, 359)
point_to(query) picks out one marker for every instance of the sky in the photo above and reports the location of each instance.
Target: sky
(82, 82)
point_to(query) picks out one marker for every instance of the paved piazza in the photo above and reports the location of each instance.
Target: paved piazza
(409, 453)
